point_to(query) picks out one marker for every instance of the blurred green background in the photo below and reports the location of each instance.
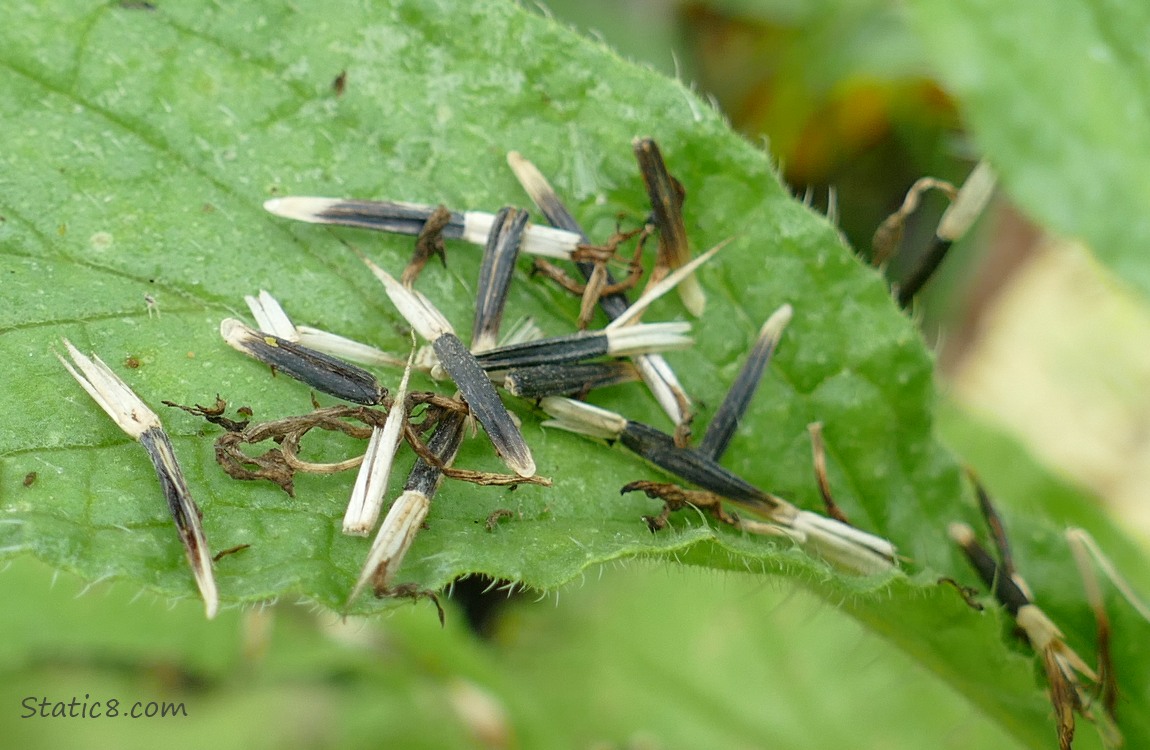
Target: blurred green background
(837, 90)
(645, 656)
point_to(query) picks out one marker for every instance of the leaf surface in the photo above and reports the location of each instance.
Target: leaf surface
(139, 147)
(1060, 105)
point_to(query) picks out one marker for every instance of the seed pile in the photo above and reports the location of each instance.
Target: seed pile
(556, 373)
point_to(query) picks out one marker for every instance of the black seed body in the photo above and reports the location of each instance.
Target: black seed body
(383, 216)
(574, 347)
(484, 403)
(323, 372)
(689, 464)
(567, 379)
(425, 478)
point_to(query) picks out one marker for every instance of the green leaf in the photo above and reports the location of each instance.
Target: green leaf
(1037, 507)
(142, 165)
(290, 678)
(140, 145)
(1060, 104)
(268, 676)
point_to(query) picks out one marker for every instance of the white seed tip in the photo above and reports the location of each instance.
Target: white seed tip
(779, 320)
(270, 316)
(206, 583)
(393, 540)
(550, 242)
(300, 208)
(523, 466)
(345, 348)
(518, 161)
(547, 242)
(477, 226)
(371, 481)
(960, 533)
(693, 297)
(664, 386)
(650, 337)
(667, 284)
(529, 176)
(972, 197)
(582, 418)
(111, 393)
(415, 308)
(843, 545)
(236, 333)
(370, 484)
